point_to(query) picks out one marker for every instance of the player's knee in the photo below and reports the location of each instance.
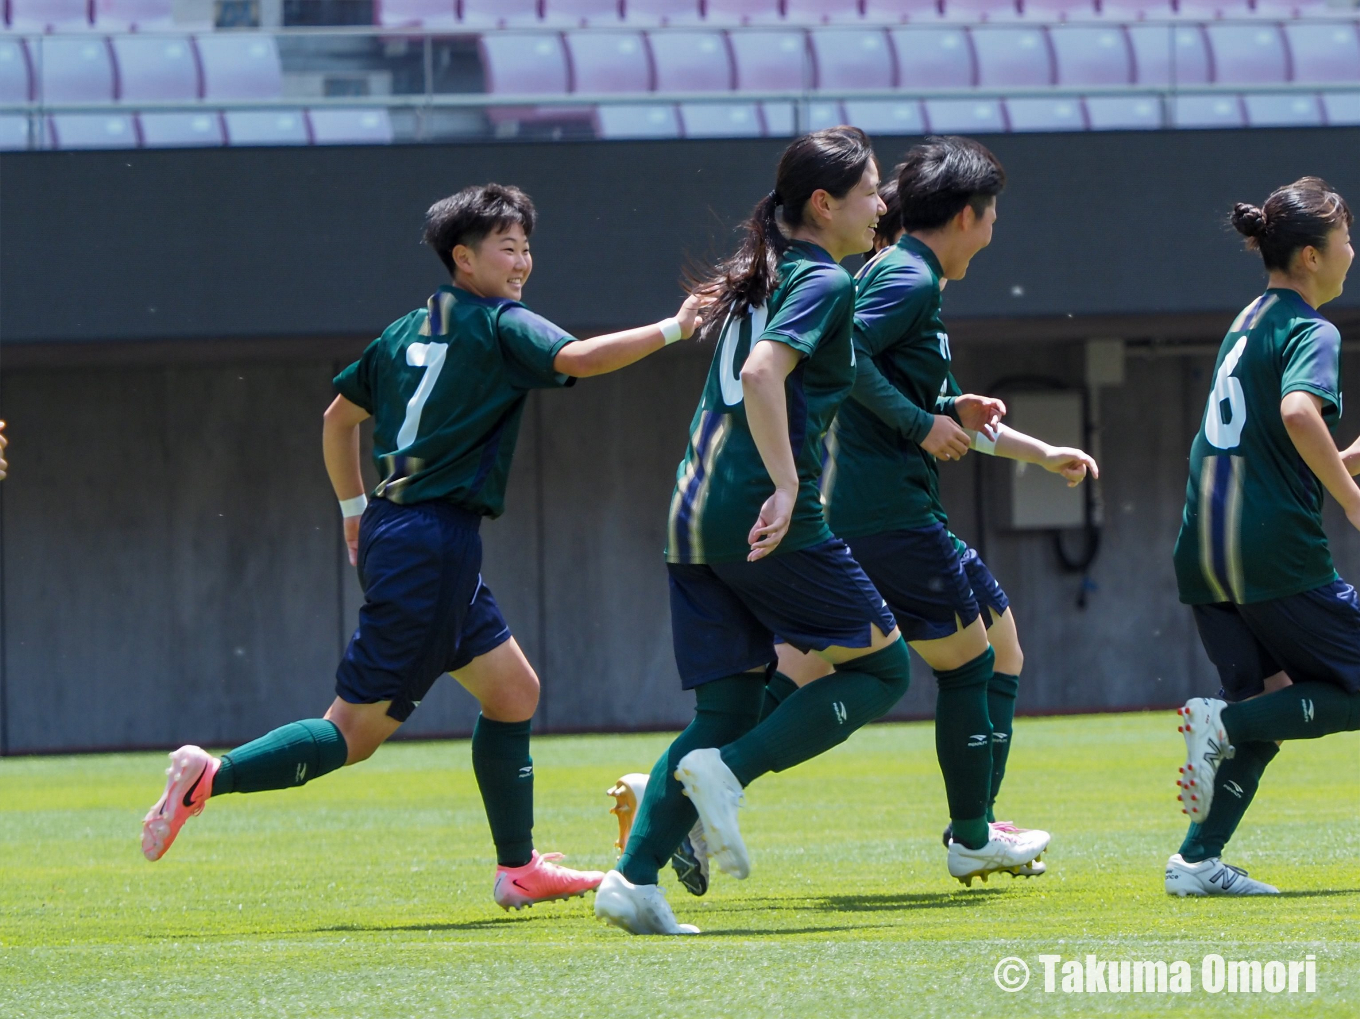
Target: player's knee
(1010, 659)
(891, 666)
(515, 700)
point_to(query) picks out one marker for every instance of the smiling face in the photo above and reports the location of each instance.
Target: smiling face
(973, 233)
(1328, 265)
(851, 220)
(496, 266)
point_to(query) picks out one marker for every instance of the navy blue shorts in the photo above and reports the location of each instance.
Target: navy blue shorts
(932, 589)
(725, 616)
(426, 611)
(1311, 636)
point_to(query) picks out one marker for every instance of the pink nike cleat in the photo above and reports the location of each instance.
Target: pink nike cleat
(188, 785)
(541, 880)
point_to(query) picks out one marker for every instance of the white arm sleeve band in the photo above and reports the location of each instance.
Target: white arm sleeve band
(670, 330)
(985, 443)
(354, 507)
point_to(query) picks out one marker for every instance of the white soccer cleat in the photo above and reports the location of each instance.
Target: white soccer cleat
(1206, 747)
(716, 795)
(628, 792)
(1211, 877)
(637, 909)
(1005, 851)
(1032, 869)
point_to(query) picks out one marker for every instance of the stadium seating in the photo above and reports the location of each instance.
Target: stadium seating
(964, 116)
(49, 15)
(691, 61)
(1324, 52)
(896, 12)
(1124, 113)
(821, 12)
(14, 133)
(76, 70)
(1194, 111)
(934, 58)
(181, 130)
(431, 14)
(130, 15)
(1039, 114)
(1091, 54)
(240, 66)
(886, 116)
(1163, 55)
(645, 13)
(771, 60)
(851, 58)
(581, 13)
(742, 12)
(1341, 108)
(524, 64)
(91, 131)
(721, 120)
(1248, 54)
(1282, 110)
(981, 10)
(637, 120)
(1059, 10)
(16, 76)
(156, 67)
(338, 126)
(609, 61)
(266, 127)
(500, 13)
(1012, 57)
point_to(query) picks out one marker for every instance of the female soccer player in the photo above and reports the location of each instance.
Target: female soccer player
(880, 488)
(446, 386)
(749, 553)
(1252, 559)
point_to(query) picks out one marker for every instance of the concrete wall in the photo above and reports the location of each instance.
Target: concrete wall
(173, 567)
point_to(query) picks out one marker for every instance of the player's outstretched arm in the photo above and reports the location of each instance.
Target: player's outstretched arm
(340, 446)
(1302, 416)
(601, 355)
(1073, 464)
(767, 415)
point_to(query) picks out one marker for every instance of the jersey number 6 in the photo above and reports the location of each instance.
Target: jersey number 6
(429, 356)
(1226, 414)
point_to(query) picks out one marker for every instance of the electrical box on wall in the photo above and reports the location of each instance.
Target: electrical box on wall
(1039, 499)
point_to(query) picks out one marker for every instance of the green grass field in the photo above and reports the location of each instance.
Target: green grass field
(367, 894)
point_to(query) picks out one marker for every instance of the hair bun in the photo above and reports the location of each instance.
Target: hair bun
(1248, 220)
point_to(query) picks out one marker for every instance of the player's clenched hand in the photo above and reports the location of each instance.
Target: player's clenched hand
(352, 539)
(946, 441)
(1072, 464)
(979, 413)
(771, 525)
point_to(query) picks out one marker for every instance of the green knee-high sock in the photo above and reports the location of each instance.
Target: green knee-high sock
(817, 717)
(1001, 691)
(723, 710)
(291, 755)
(963, 744)
(1234, 786)
(777, 690)
(505, 775)
(1302, 711)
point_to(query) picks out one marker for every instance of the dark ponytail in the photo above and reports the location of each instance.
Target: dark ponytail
(832, 160)
(1296, 216)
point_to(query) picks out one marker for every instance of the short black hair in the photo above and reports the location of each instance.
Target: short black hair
(1293, 217)
(940, 176)
(474, 212)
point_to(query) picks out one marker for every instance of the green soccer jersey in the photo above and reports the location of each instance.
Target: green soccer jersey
(877, 477)
(446, 386)
(722, 482)
(1252, 528)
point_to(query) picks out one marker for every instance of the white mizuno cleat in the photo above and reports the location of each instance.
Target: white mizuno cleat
(627, 792)
(637, 909)
(716, 795)
(1006, 850)
(1206, 747)
(1211, 877)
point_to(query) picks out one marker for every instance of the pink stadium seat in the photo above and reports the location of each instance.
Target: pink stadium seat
(1248, 54)
(49, 15)
(721, 120)
(156, 67)
(1037, 114)
(1208, 111)
(500, 13)
(691, 62)
(629, 120)
(1012, 56)
(609, 61)
(852, 58)
(897, 12)
(1341, 108)
(333, 125)
(741, 12)
(16, 76)
(964, 116)
(1294, 109)
(886, 116)
(92, 131)
(1124, 113)
(1210, 10)
(181, 130)
(771, 59)
(981, 10)
(1324, 53)
(1058, 10)
(581, 13)
(240, 66)
(129, 15)
(415, 13)
(934, 58)
(13, 132)
(1091, 54)
(1163, 55)
(524, 64)
(1136, 10)
(661, 12)
(821, 12)
(266, 127)
(1293, 8)
(76, 70)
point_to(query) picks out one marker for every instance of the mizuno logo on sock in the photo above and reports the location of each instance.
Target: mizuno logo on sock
(841, 714)
(1233, 788)
(978, 739)
(527, 771)
(1307, 711)
(301, 774)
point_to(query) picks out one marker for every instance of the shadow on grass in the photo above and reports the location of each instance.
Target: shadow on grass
(904, 901)
(767, 932)
(1318, 893)
(501, 922)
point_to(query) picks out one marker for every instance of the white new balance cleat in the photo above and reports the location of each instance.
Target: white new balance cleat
(637, 909)
(716, 795)
(1206, 747)
(1005, 851)
(1211, 877)
(628, 792)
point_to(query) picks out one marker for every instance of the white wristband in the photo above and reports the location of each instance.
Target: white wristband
(670, 330)
(985, 443)
(354, 507)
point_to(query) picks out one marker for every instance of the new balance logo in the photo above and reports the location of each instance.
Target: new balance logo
(527, 771)
(1307, 711)
(841, 714)
(301, 775)
(978, 739)
(1234, 788)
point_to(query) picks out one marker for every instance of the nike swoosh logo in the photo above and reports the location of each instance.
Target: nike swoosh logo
(189, 796)
(518, 885)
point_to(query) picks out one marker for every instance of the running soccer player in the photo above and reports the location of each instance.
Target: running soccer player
(749, 553)
(446, 386)
(1252, 559)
